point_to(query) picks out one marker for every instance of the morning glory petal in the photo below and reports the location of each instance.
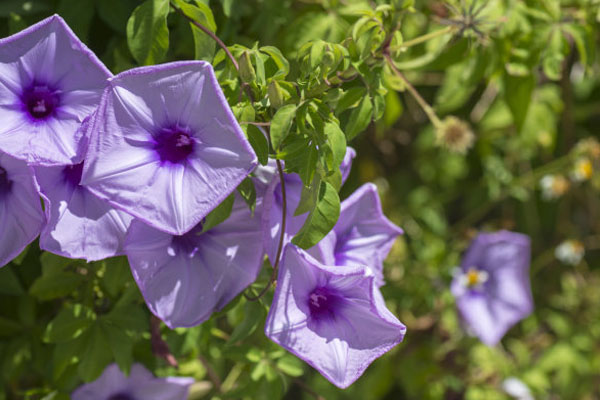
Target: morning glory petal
(185, 278)
(21, 215)
(165, 146)
(50, 83)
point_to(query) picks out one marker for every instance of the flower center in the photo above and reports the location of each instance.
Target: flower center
(187, 243)
(174, 145)
(72, 174)
(324, 303)
(5, 183)
(474, 278)
(120, 396)
(40, 101)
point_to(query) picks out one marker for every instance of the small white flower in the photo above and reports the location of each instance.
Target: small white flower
(553, 186)
(570, 252)
(515, 388)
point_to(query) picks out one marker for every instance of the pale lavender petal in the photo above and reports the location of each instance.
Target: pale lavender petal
(21, 215)
(139, 385)
(80, 225)
(491, 307)
(332, 317)
(165, 147)
(272, 213)
(363, 235)
(347, 163)
(184, 279)
(50, 82)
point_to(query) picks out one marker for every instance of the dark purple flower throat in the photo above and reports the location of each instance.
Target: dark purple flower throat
(174, 145)
(324, 303)
(120, 396)
(5, 183)
(72, 174)
(40, 101)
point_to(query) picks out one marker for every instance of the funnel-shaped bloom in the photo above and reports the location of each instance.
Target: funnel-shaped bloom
(21, 215)
(362, 235)
(80, 225)
(165, 146)
(184, 279)
(332, 317)
(49, 82)
(492, 286)
(273, 202)
(139, 385)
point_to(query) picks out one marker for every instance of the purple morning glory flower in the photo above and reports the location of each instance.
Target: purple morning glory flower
(273, 203)
(332, 317)
(165, 146)
(362, 235)
(80, 225)
(139, 385)
(492, 288)
(49, 82)
(21, 215)
(184, 279)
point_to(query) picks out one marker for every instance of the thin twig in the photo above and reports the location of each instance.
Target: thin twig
(210, 371)
(421, 39)
(435, 120)
(255, 123)
(160, 348)
(281, 237)
(222, 45)
(308, 389)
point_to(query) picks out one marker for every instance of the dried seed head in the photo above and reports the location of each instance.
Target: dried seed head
(455, 134)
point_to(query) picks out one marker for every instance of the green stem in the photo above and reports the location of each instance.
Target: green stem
(421, 39)
(435, 120)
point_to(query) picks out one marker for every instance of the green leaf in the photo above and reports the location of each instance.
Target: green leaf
(360, 118)
(350, 98)
(290, 365)
(116, 275)
(316, 53)
(281, 124)
(321, 219)
(55, 285)
(128, 317)
(518, 91)
(219, 214)
(247, 190)
(9, 282)
(115, 13)
(337, 142)
(254, 314)
(147, 32)
(121, 346)
(70, 323)
(283, 66)
(204, 45)
(259, 143)
(95, 356)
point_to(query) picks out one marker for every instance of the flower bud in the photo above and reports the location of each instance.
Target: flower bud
(275, 94)
(247, 72)
(455, 135)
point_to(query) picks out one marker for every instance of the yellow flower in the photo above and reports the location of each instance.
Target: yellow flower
(582, 170)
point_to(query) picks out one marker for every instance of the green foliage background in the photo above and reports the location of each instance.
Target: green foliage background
(525, 76)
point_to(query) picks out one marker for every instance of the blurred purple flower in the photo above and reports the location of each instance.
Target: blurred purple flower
(80, 225)
(492, 288)
(362, 235)
(273, 202)
(21, 215)
(49, 82)
(165, 146)
(332, 317)
(184, 279)
(139, 385)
